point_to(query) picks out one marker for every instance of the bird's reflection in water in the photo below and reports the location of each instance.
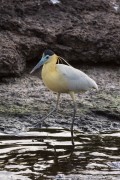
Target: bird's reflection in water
(42, 153)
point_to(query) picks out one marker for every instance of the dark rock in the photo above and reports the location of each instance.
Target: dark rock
(11, 59)
(80, 31)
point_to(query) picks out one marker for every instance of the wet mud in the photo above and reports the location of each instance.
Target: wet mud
(24, 101)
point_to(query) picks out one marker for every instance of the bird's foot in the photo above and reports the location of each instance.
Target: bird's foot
(41, 124)
(38, 126)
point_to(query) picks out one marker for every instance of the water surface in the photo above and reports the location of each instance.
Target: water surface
(49, 154)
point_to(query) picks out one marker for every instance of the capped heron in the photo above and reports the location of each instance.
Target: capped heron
(63, 78)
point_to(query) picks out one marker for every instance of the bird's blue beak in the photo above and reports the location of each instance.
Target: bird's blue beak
(39, 64)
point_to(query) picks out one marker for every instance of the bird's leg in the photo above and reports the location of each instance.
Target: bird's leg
(54, 109)
(74, 113)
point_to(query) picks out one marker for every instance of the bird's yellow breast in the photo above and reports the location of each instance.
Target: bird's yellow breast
(52, 77)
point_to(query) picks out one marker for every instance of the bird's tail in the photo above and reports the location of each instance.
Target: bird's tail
(94, 85)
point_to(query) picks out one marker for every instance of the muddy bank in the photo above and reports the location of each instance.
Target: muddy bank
(24, 101)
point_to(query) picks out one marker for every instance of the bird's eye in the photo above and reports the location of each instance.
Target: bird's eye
(47, 57)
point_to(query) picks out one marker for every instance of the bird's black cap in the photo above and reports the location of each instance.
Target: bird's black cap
(48, 52)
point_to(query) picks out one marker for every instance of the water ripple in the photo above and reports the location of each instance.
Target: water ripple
(47, 153)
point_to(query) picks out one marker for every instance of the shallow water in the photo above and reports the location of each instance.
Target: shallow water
(49, 154)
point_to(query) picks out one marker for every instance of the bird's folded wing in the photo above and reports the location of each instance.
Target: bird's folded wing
(76, 79)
